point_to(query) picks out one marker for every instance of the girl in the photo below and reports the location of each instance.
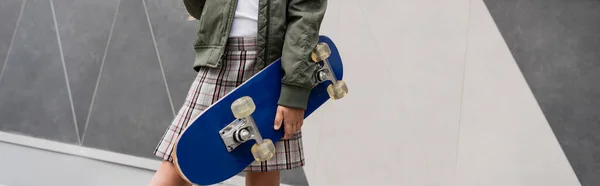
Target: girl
(235, 40)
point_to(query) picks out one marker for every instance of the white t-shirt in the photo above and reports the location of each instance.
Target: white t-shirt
(245, 21)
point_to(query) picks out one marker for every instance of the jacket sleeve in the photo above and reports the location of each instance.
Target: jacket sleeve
(194, 7)
(304, 19)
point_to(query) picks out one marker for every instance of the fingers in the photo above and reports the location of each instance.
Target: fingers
(278, 119)
(299, 125)
(289, 129)
(291, 119)
(295, 128)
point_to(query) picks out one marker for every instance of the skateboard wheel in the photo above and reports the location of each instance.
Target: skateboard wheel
(320, 52)
(243, 107)
(263, 151)
(337, 90)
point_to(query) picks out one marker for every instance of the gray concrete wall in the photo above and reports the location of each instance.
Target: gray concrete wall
(464, 92)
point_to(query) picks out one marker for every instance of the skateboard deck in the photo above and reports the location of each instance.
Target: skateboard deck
(207, 152)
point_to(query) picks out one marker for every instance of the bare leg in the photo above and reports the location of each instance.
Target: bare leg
(262, 178)
(167, 175)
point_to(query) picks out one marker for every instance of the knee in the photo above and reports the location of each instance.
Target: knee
(167, 175)
(262, 178)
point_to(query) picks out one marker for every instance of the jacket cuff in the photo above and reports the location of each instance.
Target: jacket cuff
(294, 96)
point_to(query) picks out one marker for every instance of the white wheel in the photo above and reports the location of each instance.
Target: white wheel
(263, 151)
(243, 107)
(320, 52)
(337, 90)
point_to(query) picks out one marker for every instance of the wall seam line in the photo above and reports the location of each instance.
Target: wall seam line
(112, 27)
(162, 70)
(462, 93)
(12, 40)
(64, 65)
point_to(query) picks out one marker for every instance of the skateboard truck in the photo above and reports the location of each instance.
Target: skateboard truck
(238, 132)
(244, 129)
(338, 88)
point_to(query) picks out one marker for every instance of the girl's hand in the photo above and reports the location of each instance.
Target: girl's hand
(292, 119)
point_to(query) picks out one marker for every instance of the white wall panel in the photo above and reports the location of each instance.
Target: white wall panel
(399, 123)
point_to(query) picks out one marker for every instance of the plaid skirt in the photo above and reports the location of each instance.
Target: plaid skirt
(238, 65)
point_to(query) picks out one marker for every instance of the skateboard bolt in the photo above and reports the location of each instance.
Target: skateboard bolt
(244, 134)
(322, 75)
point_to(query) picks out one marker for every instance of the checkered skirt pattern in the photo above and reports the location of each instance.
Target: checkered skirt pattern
(238, 65)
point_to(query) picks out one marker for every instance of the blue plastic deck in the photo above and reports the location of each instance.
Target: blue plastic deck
(200, 153)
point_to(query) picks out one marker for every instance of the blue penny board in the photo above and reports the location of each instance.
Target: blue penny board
(201, 155)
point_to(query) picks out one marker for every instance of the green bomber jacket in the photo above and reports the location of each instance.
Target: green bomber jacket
(287, 29)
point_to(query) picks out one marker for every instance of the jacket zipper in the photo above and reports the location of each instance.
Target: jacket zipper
(265, 62)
